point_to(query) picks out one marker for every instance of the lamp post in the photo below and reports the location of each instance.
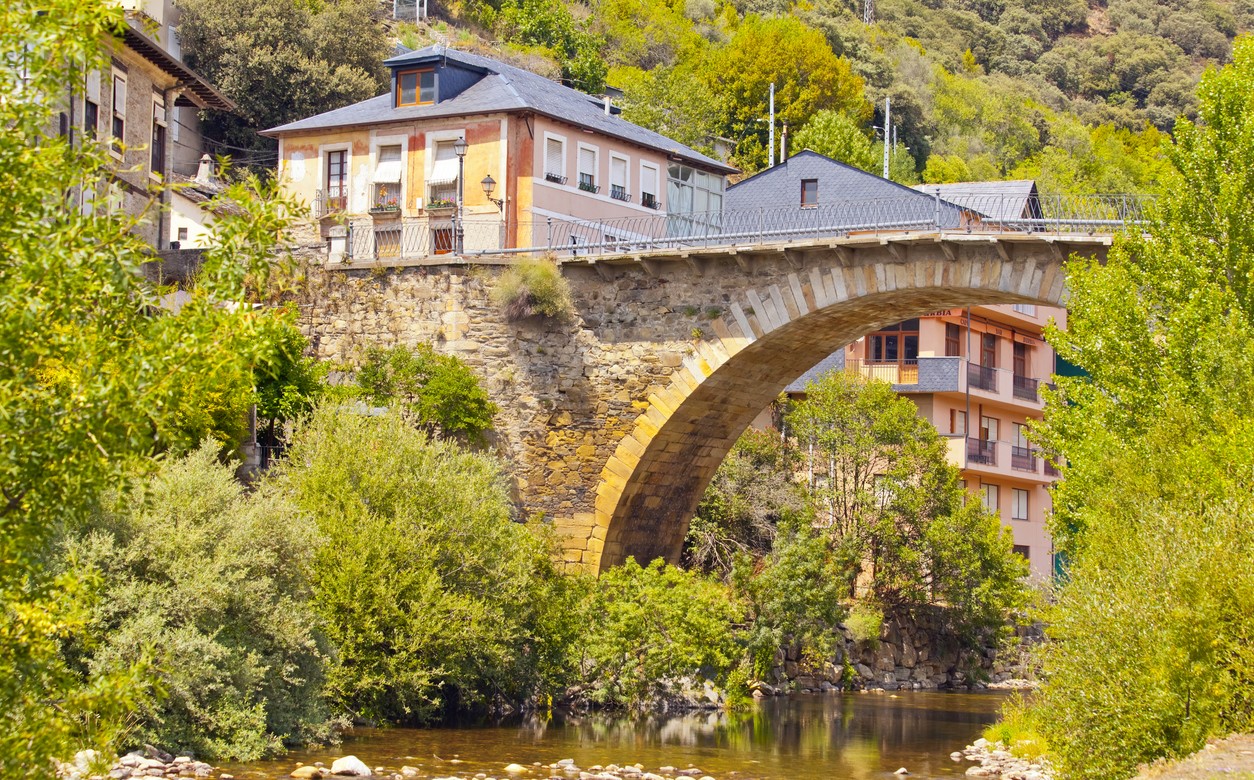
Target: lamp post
(459, 148)
(489, 186)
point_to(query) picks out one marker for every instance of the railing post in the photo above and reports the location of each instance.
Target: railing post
(548, 241)
(350, 238)
(937, 216)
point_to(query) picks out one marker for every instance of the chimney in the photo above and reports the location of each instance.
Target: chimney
(204, 174)
(607, 104)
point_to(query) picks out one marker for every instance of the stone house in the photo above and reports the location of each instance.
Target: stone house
(468, 153)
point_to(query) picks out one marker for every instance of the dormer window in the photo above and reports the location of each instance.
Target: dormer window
(415, 88)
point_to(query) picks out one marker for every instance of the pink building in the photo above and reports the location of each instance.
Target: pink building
(531, 163)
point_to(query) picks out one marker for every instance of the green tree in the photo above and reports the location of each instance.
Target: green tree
(287, 385)
(210, 584)
(1155, 619)
(434, 600)
(892, 507)
(549, 23)
(440, 391)
(92, 383)
(282, 60)
(752, 491)
(838, 136)
(808, 77)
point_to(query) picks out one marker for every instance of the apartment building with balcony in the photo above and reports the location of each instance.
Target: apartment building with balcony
(976, 375)
(465, 153)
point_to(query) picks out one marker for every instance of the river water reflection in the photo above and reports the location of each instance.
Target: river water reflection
(805, 737)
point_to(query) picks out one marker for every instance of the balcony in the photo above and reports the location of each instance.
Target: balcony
(326, 204)
(982, 377)
(1026, 388)
(903, 373)
(556, 178)
(619, 192)
(649, 201)
(1023, 459)
(982, 451)
(1051, 470)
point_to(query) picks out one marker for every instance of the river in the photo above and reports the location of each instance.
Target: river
(834, 736)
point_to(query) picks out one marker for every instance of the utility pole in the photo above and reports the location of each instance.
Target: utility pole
(888, 141)
(868, 12)
(771, 132)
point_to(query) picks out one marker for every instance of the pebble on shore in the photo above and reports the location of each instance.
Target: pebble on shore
(995, 760)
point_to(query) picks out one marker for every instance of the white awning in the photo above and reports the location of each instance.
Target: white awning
(388, 172)
(443, 172)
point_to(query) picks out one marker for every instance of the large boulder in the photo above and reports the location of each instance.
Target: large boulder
(351, 766)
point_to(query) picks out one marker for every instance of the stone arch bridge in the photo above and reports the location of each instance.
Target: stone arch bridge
(615, 421)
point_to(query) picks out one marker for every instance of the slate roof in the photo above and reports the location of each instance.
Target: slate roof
(503, 88)
(998, 200)
(858, 196)
(833, 362)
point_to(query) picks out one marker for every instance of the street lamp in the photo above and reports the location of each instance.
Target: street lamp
(459, 148)
(489, 186)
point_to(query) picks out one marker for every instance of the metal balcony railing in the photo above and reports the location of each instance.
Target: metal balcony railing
(1023, 458)
(982, 377)
(905, 372)
(1026, 388)
(1050, 469)
(982, 451)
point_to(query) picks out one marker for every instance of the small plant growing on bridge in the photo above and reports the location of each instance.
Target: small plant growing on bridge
(534, 287)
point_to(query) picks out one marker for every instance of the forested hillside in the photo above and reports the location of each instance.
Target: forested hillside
(1076, 95)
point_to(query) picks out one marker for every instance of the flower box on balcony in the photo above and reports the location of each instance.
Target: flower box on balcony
(386, 210)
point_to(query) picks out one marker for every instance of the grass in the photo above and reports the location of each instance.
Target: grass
(1018, 730)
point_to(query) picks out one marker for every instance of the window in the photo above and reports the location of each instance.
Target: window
(618, 178)
(442, 241)
(1024, 551)
(992, 499)
(988, 428)
(387, 178)
(415, 88)
(337, 180)
(554, 160)
(1021, 436)
(988, 350)
(957, 422)
(91, 105)
(588, 169)
(1018, 504)
(442, 183)
(118, 127)
(809, 193)
(895, 344)
(157, 145)
(182, 234)
(1026, 308)
(1021, 359)
(694, 201)
(953, 340)
(648, 186)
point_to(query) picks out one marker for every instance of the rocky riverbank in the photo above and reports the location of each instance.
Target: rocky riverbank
(994, 760)
(152, 762)
(565, 769)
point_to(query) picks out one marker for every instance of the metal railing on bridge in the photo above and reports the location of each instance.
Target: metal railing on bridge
(572, 237)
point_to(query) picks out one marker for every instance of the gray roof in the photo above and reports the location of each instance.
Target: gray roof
(833, 362)
(846, 195)
(503, 88)
(999, 200)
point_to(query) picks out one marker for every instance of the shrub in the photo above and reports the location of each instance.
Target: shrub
(440, 391)
(211, 585)
(1018, 728)
(533, 287)
(653, 625)
(433, 598)
(865, 622)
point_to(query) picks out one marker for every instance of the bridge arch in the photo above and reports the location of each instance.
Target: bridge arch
(767, 337)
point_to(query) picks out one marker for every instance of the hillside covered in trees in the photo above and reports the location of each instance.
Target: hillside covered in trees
(1077, 95)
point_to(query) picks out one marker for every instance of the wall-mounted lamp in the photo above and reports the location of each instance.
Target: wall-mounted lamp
(489, 186)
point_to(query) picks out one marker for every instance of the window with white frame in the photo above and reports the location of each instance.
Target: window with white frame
(1018, 504)
(588, 169)
(694, 200)
(336, 181)
(618, 178)
(156, 145)
(442, 183)
(992, 499)
(91, 105)
(118, 125)
(387, 178)
(554, 159)
(649, 186)
(1026, 308)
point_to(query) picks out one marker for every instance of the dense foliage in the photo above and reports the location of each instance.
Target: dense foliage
(433, 599)
(210, 586)
(92, 380)
(533, 287)
(1156, 618)
(279, 61)
(892, 509)
(440, 392)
